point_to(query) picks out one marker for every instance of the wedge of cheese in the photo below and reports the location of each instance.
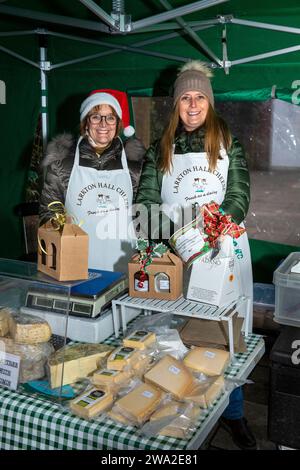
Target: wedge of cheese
(139, 404)
(122, 357)
(171, 375)
(29, 329)
(210, 361)
(5, 314)
(139, 339)
(76, 361)
(204, 395)
(182, 419)
(91, 403)
(115, 416)
(111, 379)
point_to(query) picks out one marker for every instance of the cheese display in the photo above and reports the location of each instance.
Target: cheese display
(171, 375)
(4, 320)
(139, 339)
(91, 403)
(76, 361)
(139, 404)
(110, 379)
(183, 420)
(122, 357)
(204, 394)
(33, 358)
(29, 329)
(210, 361)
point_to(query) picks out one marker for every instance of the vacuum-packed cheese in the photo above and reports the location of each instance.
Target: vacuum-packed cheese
(121, 357)
(29, 329)
(91, 403)
(4, 321)
(139, 339)
(204, 394)
(77, 361)
(139, 404)
(182, 419)
(171, 375)
(111, 378)
(210, 361)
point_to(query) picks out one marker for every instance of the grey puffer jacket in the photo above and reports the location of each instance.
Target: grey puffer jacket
(59, 160)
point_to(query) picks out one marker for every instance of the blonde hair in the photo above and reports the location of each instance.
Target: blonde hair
(84, 123)
(217, 134)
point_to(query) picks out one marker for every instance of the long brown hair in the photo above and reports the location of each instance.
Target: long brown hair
(217, 134)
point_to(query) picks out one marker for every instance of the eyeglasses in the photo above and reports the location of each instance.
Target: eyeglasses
(110, 119)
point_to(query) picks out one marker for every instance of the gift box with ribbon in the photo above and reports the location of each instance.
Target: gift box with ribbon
(214, 276)
(63, 247)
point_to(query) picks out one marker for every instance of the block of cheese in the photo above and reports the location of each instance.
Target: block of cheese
(171, 375)
(115, 416)
(111, 379)
(139, 404)
(210, 361)
(5, 314)
(79, 360)
(206, 393)
(29, 329)
(33, 357)
(122, 357)
(182, 419)
(91, 403)
(139, 339)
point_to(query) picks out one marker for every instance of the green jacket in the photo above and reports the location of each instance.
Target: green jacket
(237, 196)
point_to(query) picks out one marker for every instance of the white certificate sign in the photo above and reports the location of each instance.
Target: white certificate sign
(9, 370)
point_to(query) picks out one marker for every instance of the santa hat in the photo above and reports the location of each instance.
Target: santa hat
(116, 99)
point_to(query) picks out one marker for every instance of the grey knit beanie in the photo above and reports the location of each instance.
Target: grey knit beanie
(194, 76)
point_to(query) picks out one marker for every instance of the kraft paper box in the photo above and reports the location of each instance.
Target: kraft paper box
(169, 264)
(214, 281)
(66, 257)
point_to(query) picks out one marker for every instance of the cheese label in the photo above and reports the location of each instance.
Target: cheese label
(147, 394)
(123, 353)
(92, 397)
(175, 370)
(138, 335)
(209, 354)
(107, 372)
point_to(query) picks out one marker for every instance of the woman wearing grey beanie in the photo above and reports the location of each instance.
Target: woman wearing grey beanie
(198, 160)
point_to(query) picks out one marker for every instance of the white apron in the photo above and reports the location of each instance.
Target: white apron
(191, 182)
(101, 200)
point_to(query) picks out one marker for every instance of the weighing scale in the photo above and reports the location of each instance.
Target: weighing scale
(88, 299)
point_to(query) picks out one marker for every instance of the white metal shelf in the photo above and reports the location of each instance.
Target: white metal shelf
(181, 307)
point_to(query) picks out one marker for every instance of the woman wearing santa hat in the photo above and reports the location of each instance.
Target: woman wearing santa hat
(96, 177)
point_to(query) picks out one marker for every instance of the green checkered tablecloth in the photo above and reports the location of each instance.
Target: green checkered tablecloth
(30, 422)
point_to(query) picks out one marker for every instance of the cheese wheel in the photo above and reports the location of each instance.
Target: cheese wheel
(210, 361)
(29, 329)
(139, 404)
(139, 339)
(122, 357)
(91, 403)
(171, 375)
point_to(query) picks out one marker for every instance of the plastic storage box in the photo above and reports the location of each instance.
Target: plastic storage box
(284, 401)
(287, 292)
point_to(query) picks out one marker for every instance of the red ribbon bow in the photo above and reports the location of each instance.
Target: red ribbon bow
(217, 223)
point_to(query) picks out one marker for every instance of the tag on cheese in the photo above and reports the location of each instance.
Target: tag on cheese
(110, 378)
(139, 339)
(91, 403)
(170, 375)
(210, 361)
(139, 404)
(29, 329)
(121, 357)
(5, 314)
(77, 361)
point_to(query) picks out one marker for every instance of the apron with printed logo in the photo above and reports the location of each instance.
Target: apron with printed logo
(190, 182)
(101, 200)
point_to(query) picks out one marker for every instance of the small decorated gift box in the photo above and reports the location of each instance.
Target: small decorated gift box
(162, 279)
(63, 254)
